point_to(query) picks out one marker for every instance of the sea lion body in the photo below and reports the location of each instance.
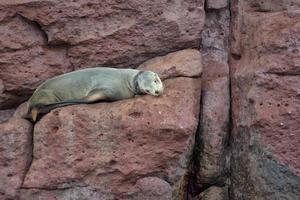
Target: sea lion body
(91, 85)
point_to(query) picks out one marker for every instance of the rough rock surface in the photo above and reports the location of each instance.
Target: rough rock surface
(6, 114)
(25, 60)
(120, 149)
(61, 36)
(213, 193)
(15, 155)
(211, 143)
(185, 63)
(124, 150)
(216, 4)
(265, 104)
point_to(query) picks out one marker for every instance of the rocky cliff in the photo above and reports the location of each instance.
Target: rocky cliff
(227, 126)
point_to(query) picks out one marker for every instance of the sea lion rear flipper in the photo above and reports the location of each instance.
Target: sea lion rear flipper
(95, 95)
(34, 114)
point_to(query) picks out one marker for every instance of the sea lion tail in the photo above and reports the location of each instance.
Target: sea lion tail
(34, 111)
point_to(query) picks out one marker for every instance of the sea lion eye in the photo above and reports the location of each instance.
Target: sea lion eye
(155, 81)
(147, 91)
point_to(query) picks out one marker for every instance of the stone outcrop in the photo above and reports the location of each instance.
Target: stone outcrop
(60, 36)
(15, 155)
(124, 149)
(227, 126)
(265, 102)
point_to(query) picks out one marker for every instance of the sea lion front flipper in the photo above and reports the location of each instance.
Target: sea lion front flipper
(95, 95)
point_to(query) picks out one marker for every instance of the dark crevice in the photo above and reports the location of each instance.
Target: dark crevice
(283, 73)
(192, 185)
(195, 186)
(39, 27)
(230, 123)
(52, 189)
(180, 76)
(31, 156)
(236, 56)
(34, 24)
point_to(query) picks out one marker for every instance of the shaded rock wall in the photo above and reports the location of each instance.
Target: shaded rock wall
(265, 100)
(227, 126)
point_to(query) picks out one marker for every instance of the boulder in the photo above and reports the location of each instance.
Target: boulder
(184, 63)
(125, 149)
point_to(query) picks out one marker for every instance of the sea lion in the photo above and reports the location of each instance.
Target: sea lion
(92, 85)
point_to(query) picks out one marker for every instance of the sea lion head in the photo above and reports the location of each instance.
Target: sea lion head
(149, 83)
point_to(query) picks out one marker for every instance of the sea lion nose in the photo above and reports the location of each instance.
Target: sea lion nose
(156, 92)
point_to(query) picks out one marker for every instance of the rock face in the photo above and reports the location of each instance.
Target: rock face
(265, 103)
(216, 4)
(125, 149)
(213, 193)
(25, 60)
(6, 114)
(227, 126)
(212, 135)
(15, 155)
(61, 36)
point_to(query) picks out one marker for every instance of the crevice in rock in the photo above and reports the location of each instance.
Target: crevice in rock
(230, 123)
(35, 24)
(235, 57)
(180, 76)
(53, 189)
(192, 186)
(214, 42)
(283, 73)
(30, 155)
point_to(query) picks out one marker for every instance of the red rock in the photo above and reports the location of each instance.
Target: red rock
(19, 34)
(117, 33)
(265, 82)
(25, 61)
(21, 111)
(152, 188)
(184, 63)
(6, 114)
(15, 155)
(21, 79)
(37, 44)
(216, 4)
(214, 126)
(213, 193)
(235, 27)
(115, 144)
(273, 5)
(214, 119)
